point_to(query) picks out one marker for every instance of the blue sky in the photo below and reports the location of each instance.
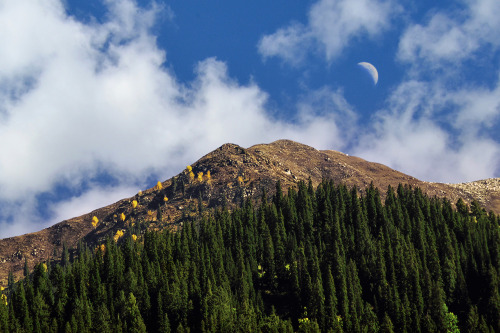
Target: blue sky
(102, 98)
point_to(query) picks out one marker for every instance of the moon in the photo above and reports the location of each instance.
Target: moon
(371, 70)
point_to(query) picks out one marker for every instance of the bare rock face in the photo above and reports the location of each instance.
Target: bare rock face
(236, 174)
(486, 192)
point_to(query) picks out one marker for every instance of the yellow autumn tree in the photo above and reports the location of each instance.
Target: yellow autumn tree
(208, 175)
(119, 233)
(95, 221)
(200, 176)
(134, 203)
(165, 199)
(159, 186)
(240, 180)
(122, 217)
(134, 237)
(190, 172)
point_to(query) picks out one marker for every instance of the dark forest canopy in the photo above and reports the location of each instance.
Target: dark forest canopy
(329, 260)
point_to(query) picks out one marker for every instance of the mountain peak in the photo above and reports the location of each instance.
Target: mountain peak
(236, 174)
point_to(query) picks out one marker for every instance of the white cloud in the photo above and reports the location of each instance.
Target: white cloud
(413, 134)
(79, 99)
(439, 130)
(332, 24)
(290, 43)
(452, 36)
(480, 109)
(25, 216)
(326, 111)
(89, 201)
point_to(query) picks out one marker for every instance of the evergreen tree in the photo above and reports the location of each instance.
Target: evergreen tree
(133, 318)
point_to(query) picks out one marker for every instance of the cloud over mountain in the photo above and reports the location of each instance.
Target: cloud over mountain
(85, 99)
(93, 105)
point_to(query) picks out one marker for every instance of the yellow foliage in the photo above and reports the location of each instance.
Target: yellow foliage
(150, 213)
(159, 186)
(165, 199)
(44, 265)
(134, 237)
(190, 172)
(95, 220)
(2, 288)
(208, 175)
(134, 203)
(4, 299)
(200, 176)
(119, 233)
(240, 179)
(122, 217)
(101, 247)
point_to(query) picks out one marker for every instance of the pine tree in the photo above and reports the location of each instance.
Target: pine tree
(26, 270)
(493, 312)
(102, 319)
(133, 316)
(4, 315)
(164, 325)
(386, 326)
(21, 308)
(10, 280)
(331, 311)
(65, 255)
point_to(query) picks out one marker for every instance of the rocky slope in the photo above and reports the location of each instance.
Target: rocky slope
(235, 174)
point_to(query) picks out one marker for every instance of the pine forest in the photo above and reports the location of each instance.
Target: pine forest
(330, 259)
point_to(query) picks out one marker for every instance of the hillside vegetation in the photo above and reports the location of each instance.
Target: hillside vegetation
(329, 260)
(226, 176)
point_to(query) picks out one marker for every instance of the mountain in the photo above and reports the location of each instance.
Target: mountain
(236, 174)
